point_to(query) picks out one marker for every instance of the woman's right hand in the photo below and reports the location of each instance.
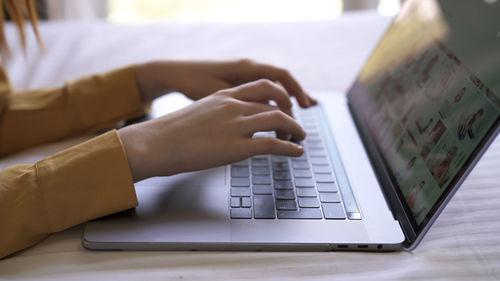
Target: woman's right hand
(213, 131)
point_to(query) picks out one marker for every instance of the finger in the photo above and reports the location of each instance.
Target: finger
(313, 100)
(284, 77)
(263, 91)
(274, 121)
(252, 108)
(274, 146)
(212, 86)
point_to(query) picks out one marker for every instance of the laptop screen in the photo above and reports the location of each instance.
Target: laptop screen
(430, 97)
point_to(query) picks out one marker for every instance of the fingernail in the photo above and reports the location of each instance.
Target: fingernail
(300, 148)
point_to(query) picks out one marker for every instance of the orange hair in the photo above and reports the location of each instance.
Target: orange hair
(19, 10)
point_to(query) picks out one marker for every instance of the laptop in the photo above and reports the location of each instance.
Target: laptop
(380, 162)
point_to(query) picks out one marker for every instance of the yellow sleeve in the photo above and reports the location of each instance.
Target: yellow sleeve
(83, 182)
(87, 105)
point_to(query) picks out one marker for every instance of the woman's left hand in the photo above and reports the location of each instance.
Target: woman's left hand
(198, 79)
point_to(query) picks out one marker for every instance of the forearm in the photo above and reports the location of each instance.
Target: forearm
(84, 182)
(84, 106)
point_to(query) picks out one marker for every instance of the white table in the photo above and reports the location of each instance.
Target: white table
(464, 244)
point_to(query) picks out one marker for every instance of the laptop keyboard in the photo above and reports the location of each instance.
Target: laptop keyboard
(271, 186)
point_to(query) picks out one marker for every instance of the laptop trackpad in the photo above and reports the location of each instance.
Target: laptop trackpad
(200, 192)
(189, 207)
(209, 177)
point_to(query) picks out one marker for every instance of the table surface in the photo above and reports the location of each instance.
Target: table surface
(325, 56)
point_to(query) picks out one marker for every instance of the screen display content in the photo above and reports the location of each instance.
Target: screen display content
(428, 133)
(426, 109)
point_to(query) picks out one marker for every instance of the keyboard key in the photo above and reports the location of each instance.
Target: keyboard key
(333, 211)
(327, 187)
(312, 140)
(329, 198)
(263, 206)
(307, 114)
(308, 203)
(261, 180)
(306, 213)
(307, 121)
(319, 161)
(313, 133)
(324, 178)
(240, 192)
(245, 182)
(246, 202)
(260, 162)
(286, 205)
(261, 171)
(353, 215)
(304, 182)
(235, 202)
(264, 135)
(262, 189)
(302, 157)
(310, 127)
(281, 166)
(241, 213)
(241, 163)
(315, 146)
(322, 169)
(300, 165)
(302, 173)
(284, 194)
(260, 157)
(310, 118)
(317, 153)
(305, 192)
(239, 172)
(282, 176)
(283, 185)
(279, 159)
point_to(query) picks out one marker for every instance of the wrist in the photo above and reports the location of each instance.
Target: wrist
(149, 149)
(151, 80)
(136, 150)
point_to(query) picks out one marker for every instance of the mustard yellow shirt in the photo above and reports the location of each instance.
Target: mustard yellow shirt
(83, 182)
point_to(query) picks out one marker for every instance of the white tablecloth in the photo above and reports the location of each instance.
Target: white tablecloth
(464, 244)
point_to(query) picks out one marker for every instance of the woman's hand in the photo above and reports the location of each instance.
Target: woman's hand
(214, 131)
(197, 80)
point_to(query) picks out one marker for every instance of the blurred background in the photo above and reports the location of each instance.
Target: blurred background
(137, 11)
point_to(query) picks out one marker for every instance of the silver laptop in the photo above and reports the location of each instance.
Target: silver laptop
(380, 163)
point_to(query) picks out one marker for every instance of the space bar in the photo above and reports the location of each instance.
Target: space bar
(306, 213)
